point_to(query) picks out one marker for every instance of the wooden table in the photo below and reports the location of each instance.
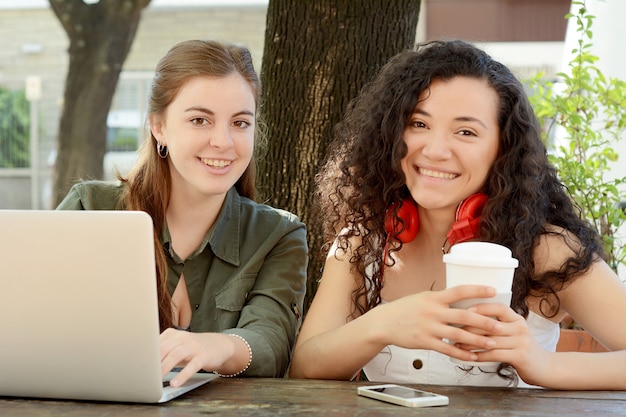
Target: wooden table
(289, 397)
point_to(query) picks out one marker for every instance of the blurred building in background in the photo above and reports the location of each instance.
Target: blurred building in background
(527, 35)
(35, 47)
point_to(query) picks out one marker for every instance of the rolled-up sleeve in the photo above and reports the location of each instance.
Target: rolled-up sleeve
(272, 313)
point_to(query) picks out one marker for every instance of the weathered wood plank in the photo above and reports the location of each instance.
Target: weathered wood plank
(284, 397)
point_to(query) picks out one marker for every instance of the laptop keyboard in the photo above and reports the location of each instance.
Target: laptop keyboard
(166, 383)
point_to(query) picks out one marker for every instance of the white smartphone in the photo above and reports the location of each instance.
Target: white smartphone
(397, 394)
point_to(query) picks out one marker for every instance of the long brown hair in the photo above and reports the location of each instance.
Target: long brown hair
(148, 184)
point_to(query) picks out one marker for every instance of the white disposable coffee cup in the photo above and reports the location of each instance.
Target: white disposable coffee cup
(480, 263)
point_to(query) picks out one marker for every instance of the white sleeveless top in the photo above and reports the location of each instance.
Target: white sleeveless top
(418, 366)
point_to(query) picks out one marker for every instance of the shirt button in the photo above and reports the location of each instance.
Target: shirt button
(296, 309)
(417, 364)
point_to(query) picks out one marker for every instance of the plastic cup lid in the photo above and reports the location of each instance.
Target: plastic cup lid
(481, 254)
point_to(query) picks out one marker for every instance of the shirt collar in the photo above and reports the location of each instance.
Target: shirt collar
(223, 237)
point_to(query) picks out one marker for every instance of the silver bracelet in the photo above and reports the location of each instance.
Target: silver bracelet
(249, 358)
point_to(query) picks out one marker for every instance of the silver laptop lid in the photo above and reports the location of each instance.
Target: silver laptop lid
(78, 306)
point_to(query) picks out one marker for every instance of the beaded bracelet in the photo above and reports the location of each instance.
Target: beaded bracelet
(249, 358)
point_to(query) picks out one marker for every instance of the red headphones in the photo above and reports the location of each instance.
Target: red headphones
(465, 227)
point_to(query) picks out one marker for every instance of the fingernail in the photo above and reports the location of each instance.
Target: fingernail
(490, 344)
(473, 357)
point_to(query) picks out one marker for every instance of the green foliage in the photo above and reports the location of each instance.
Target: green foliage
(122, 139)
(14, 129)
(582, 120)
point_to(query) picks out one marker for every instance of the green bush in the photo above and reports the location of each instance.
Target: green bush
(584, 114)
(14, 129)
(122, 139)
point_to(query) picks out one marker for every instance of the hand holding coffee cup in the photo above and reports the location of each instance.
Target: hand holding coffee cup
(480, 263)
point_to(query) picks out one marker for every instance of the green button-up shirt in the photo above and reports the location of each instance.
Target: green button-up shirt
(248, 277)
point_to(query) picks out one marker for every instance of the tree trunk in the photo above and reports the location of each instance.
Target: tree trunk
(101, 35)
(317, 56)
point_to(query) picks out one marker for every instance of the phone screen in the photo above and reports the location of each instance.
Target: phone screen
(403, 392)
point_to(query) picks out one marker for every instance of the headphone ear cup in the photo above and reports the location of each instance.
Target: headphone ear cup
(409, 219)
(467, 223)
(472, 207)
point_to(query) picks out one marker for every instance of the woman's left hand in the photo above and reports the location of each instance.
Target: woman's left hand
(515, 344)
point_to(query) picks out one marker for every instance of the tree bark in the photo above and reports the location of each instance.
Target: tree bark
(317, 56)
(100, 35)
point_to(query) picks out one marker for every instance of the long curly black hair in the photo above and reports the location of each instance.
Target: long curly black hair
(362, 177)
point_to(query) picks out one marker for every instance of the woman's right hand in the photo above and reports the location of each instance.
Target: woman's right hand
(424, 320)
(225, 353)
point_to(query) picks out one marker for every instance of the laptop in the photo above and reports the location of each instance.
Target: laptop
(78, 308)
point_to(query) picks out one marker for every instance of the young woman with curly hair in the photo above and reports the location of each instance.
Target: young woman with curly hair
(440, 124)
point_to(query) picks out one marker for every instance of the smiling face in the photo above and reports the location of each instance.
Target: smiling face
(209, 131)
(452, 138)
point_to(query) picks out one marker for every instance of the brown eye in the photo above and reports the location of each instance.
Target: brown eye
(417, 124)
(466, 132)
(198, 121)
(242, 124)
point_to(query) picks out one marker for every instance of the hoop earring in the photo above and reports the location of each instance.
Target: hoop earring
(161, 150)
